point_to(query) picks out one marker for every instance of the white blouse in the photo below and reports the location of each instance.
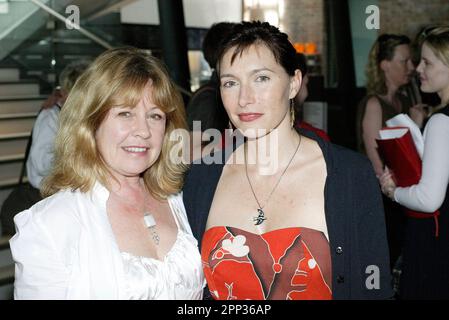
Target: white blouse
(176, 277)
(64, 248)
(428, 195)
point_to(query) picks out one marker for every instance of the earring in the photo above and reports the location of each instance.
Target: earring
(292, 113)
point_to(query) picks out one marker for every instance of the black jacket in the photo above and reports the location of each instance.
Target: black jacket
(354, 216)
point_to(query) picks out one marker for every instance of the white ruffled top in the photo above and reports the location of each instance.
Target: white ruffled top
(178, 276)
(65, 248)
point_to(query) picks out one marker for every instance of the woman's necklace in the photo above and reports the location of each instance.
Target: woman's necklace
(260, 218)
(150, 223)
(148, 218)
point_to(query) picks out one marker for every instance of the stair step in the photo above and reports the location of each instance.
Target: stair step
(31, 105)
(12, 157)
(17, 115)
(6, 275)
(4, 242)
(10, 171)
(8, 148)
(17, 135)
(32, 97)
(11, 182)
(9, 74)
(6, 262)
(13, 126)
(73, 41)
(18, 88)
(5, 253)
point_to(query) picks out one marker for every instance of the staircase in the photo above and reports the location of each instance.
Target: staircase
(6, 270)
(20, 101)
(34, 48)
(21, 21)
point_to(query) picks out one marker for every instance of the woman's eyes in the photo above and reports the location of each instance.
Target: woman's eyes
(156, 116)
(262, 78)
(228, 84)
(152, 116)
(125, 114)
(231, 83)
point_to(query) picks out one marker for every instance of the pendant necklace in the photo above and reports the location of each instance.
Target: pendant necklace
(260, 218)
(150, 223)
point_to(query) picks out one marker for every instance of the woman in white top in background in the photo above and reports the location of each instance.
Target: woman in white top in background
(425, 273)
(113, 225)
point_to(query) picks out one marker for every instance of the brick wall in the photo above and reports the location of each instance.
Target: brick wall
(408, 16)
(303, 21)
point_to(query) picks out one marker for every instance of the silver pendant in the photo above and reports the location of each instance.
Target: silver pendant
(260, 218)
(150, 223)
(149, 220)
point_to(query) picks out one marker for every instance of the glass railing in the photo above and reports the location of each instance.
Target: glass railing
(41, 37)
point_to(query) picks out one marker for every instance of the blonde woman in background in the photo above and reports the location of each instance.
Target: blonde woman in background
(425, 271)
(113, 225)
(389, 68)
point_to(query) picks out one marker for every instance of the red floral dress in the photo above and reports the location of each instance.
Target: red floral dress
(290, 263)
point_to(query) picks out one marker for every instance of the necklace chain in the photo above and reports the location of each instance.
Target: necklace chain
(261, 217)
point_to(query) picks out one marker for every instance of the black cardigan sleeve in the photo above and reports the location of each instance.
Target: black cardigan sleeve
(356, 225)
(370, 239)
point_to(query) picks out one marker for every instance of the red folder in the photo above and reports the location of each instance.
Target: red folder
(402, 158)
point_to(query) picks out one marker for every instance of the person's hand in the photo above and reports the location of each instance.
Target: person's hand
(52, 99)
(418, 113)
(388, 186)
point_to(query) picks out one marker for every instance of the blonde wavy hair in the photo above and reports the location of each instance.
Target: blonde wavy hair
(437, 39)
(383, 49)
(116, 77)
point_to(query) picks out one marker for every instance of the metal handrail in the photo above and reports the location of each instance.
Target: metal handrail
(76, 26)
(88, 34)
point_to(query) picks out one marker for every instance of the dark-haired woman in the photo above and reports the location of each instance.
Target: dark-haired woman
(298, 225)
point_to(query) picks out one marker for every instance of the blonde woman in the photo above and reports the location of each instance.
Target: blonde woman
(113, 225)
(425, 273)
(389, 67)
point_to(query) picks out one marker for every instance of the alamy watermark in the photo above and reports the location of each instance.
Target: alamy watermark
(266, 150)
(372, 22)
(372, 282)
(73, 20)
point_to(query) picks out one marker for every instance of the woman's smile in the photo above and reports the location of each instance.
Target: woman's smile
(136, 149)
